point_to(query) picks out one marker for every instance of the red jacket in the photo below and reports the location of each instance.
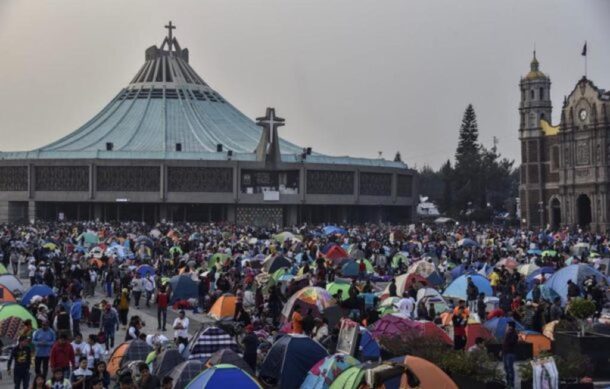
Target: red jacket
(62, 355)
(162, 300)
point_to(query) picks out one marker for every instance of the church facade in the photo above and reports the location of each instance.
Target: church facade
(169, 147)
(565, 169)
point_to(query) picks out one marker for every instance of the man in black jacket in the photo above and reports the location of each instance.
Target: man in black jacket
(509, 348)
(22, 356)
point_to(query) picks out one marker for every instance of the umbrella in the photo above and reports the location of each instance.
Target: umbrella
(334, 230)
(146, 270)
(497, 326)
(396, 326)
(36, 290)
(224, 376)
(323, 373)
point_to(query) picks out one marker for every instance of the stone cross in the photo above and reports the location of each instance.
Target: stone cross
(271, 122)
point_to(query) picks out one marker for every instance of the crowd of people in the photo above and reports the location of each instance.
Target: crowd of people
(129, 266)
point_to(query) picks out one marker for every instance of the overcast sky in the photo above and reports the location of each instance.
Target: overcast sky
(350, 77)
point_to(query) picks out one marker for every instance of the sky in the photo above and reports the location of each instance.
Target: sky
(350, 77)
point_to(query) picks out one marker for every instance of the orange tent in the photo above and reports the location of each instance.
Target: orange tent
(224, 307)
(430, 375)
(114, 363)
(539, 342)
(6, 296)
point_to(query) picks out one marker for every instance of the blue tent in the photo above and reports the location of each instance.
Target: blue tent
(368, 348)
(457, 289)
(36, 290)
(577, 273)
(289, 360)
(333, 230)
(183, 287)
(497, 326)
(529, 280)
(546, 293)
(435, 278)
(145, 270)
(223, 376)
(460, 270)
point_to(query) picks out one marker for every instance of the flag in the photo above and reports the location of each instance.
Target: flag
(584, 50)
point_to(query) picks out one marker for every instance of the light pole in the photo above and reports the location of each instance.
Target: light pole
(541, 212)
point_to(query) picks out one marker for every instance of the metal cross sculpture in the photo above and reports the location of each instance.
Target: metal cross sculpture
(170, 27)
(269, 148)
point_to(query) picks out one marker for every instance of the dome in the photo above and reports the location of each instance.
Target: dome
(535, 72)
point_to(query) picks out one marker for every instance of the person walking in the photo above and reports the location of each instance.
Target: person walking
(62, 356)
(21, 356)
(76, 313)
(43, 340)
(162, 303)
(109, 324)
(460, 321)
(509, 346)
(122, 302)
(149, 288)
(137, 286)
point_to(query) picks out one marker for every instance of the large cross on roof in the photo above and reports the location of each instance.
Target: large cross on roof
(170, 38)
(269, 147)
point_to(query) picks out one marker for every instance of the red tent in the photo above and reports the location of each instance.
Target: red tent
(336, 254)
(431, 330)
(474, 331)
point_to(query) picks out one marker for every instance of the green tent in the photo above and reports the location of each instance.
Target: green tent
(349, 379)
(279, 273)
(551, 253)
(10, 310)
(175, 249)
(334, 287)
(3, 269)
(218, 259)
(398, 258)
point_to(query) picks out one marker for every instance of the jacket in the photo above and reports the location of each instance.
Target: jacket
(43, 341)
(22, 356)
(76, 311)
(62, 355)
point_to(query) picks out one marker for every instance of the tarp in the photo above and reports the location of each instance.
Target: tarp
(289, 360)
(36, 290)
(559, 280)
(166, 361)
(224, 307)
(228, 356)
(323, 373)
(183, 287)
(457, 289)
(13, 284)
(133, 350)
(497, 326)
(210, 340)
(185, 372)
(223, 376)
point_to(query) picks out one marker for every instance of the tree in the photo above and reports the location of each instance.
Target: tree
(468, 162)
(446, 173)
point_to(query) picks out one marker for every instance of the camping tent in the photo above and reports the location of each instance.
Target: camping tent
(323, 373)
(185, 372)
(6, 296)
(474, 331)
(224, 307)
(432, 296)
(313, 297)
(210, 340)
(336, 254)
(13, 284)
(457, 289)
(432, 331)
(559, 280)
(368, 348)
(336, 286)
(166, 361)
(223, 376)
(36, 290)
(10, 310)
(430, 376)
(396, 326)
(427, 270)
(497, 326)
(289, 360)
(351, 268)
(404, 282)
(133, 350)
(183, 287)
(273, 263)
(228, 356)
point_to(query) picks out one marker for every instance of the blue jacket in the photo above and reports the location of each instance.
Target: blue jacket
(76, 312)
(43, 340)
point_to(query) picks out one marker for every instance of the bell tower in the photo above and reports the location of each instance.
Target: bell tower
(535, 106)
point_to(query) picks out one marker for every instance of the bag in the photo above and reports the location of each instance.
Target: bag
(101, 337)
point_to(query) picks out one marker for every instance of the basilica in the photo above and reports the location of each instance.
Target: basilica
(565, 169)
(169, 147)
